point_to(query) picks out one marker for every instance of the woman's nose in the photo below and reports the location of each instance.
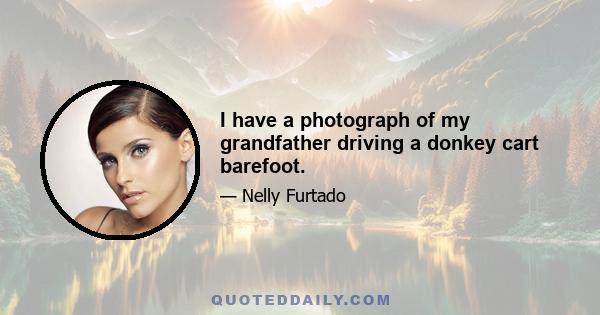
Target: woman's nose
(123, 173)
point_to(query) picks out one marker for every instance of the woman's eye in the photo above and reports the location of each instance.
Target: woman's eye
(140, 151)
(108, 162)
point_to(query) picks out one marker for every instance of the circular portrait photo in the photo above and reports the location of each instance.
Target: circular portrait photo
(119, 160)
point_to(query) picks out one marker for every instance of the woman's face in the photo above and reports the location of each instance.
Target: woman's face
(143, 165)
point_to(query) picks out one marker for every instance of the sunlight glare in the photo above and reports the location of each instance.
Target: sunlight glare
(307, 5)
(283, 5)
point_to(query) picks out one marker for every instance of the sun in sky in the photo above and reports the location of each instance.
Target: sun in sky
(284, 6)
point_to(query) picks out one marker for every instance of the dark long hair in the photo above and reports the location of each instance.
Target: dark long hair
(126, 101)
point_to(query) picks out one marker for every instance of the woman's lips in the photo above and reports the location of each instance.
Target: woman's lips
(132, 197)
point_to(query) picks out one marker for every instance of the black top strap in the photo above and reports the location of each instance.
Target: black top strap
(106, 215)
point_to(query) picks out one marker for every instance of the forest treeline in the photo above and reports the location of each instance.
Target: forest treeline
(25, 109)
(547, 193)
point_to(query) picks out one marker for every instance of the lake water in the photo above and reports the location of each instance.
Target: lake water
(178, 271)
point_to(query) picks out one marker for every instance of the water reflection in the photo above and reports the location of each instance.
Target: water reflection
(177, 271)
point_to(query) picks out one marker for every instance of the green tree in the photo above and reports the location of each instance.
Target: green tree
(17, 108)
(46, 101)
(14, 203)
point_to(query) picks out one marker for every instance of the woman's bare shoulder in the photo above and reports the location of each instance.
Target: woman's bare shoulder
(92, 217)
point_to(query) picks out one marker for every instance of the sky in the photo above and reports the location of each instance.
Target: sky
(110, 13)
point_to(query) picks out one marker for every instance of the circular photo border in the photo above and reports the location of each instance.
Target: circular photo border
(45, 143)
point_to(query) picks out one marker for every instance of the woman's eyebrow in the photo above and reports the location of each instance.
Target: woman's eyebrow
(133, 142)
(100, 155)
